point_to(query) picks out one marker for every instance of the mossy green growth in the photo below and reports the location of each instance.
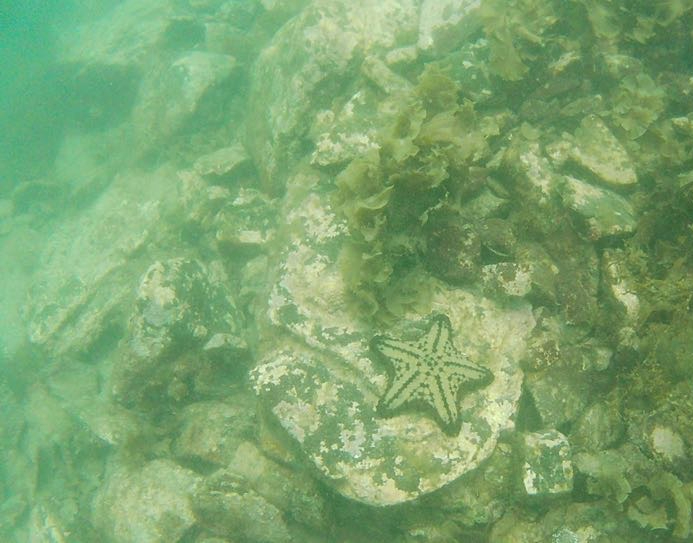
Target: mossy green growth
(429, 140)
(516, 32)
(604, 19)
(437, 90)
(633, 20)
(650, 17)
(363, 193)
(638, 103)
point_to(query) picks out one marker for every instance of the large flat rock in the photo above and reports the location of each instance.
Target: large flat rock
(323, 384)
(91, 262)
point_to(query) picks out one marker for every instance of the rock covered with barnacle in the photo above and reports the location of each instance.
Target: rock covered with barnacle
(359, 210)
(322, 383)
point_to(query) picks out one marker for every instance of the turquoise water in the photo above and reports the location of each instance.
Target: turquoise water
(329, 271)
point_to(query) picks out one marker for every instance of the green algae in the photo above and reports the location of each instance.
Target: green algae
(425, 159)
(638, 103)
(516, 32)
(460, 134)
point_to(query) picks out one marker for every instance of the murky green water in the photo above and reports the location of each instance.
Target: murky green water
(329, 271)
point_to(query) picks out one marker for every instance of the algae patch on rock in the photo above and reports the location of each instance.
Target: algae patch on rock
(322, 383)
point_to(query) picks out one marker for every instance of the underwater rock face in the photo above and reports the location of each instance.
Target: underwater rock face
(537, 179)
(128, 36)
(173, 93)
(547, 467)
(598, 428)
(443, 24)
(212, 431)
(149, 505)
(595, 148)
(621, 287)
(507, 279)
(226, 505)
(602, 212)
(222, 162)
(311, 56)
(229, 221)
(323, 383)
(183, 316)
(146, 71)
(290, 491)
(559, 396)
(321, 378)
(90, 263)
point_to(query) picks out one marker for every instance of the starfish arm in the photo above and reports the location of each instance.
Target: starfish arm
(438, 336)
(465, 371)
(444, 399)
(403, 387)
(402, 355)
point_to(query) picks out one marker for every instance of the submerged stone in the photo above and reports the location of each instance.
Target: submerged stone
(290, 491)
(479, 497)
(598, 428)
(559, 395)
(547, 467)
(224, 161)
(90, 262)
(226, 505)
(507, 279)
(150, 504)
(602, 212)
(313, 53)
(212, 431)
(182, 308)
(595, 148)
(173, 95)
(444, 24)
(246, 222)
(568, 523)
(537, 181)
(621, 288)
(323, 383)
(606, 472)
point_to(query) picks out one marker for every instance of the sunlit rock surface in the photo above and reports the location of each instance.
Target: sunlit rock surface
(151, 504)
(87, 269)
(184, 319)
(307, 60)
(446, 23)
(547, 467)
(323, 385)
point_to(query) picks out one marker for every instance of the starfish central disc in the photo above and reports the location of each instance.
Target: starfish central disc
(428, 371)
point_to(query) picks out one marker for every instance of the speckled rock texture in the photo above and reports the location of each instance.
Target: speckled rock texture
(148, 505)
(547, 467)
(184, 317)
(87, 269)
(320, 377)
(327, 270)
(323, 384)
(309, 59)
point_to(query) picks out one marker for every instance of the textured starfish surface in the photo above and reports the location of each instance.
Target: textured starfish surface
(430, 372)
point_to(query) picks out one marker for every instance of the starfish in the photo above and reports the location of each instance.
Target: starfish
(429, 371)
